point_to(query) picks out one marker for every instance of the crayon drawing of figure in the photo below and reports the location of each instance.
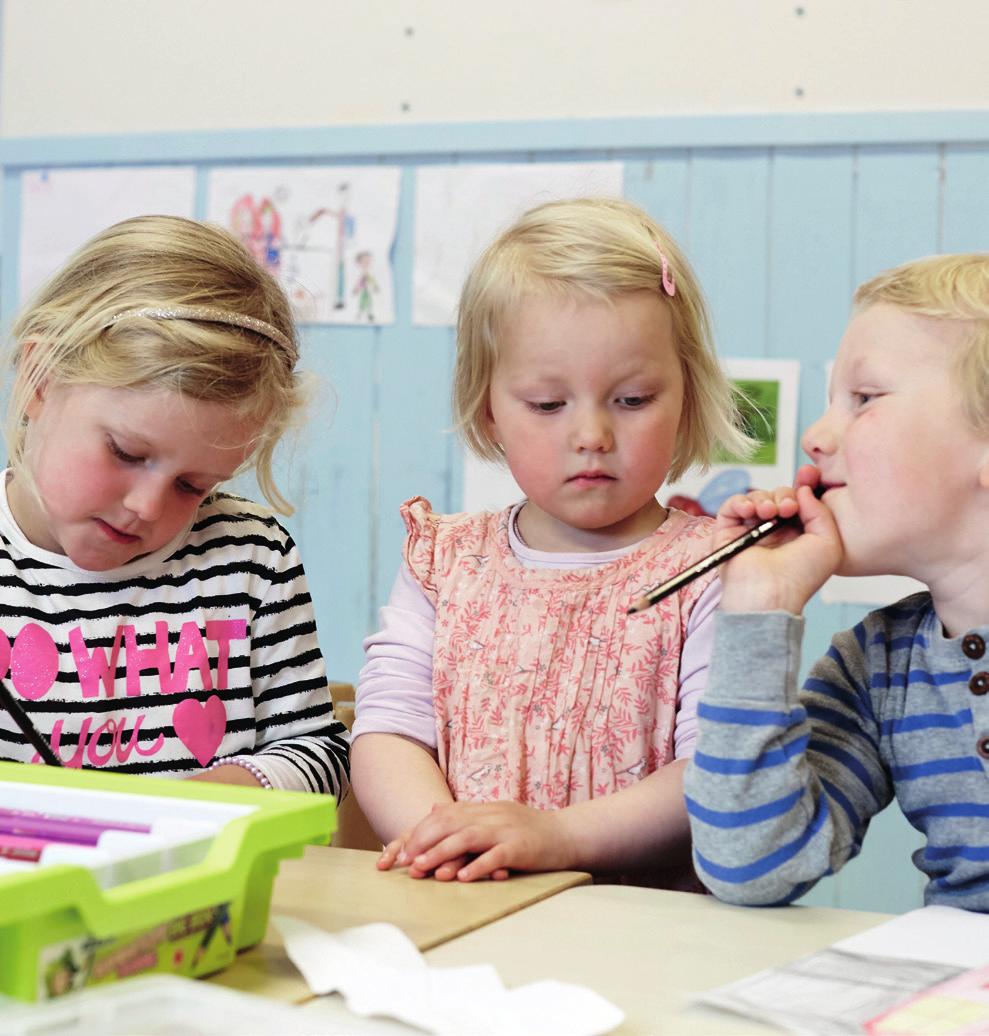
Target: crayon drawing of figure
(270, 232)
(258, 226)
(242, 222)
(344, 230)
(366, 287)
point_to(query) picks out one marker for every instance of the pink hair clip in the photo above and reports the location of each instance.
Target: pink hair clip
(669, 281)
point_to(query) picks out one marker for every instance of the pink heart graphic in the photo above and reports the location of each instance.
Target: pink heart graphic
(200, 727)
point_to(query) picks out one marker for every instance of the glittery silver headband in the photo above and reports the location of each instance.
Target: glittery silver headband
(210, 315)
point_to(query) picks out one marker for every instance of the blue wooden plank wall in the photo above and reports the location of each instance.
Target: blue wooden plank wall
(782, 217)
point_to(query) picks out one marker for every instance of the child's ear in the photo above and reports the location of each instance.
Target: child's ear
(26, 362)
(984, 469)
(38, 397)
(490, 425)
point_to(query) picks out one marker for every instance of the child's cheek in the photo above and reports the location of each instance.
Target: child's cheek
(534, 471)
(87, 484)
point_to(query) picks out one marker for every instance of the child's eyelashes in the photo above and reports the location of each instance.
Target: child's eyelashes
(552, 406)
(864, 397)
(188, 487)
(124, 457)
(635, 402)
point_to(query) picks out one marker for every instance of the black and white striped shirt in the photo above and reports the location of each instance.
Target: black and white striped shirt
(203, 650)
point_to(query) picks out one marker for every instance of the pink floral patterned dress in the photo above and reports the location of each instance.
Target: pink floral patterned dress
(546, 692)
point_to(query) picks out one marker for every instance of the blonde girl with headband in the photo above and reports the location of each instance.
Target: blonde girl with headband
(152, 623)
(510, 714)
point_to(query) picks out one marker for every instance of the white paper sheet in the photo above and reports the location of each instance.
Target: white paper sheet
(839, 989)
(460, 209)
(829, 993)
(380, 972)
(942, 934)
(325, 232)
(61, 209)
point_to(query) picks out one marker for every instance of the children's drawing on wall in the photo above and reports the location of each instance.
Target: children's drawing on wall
(768, 401)
(258, 224)
(342, 227)
(366, 287)
(460, 208)
(325, 232)
(63, 208)
(759, 402)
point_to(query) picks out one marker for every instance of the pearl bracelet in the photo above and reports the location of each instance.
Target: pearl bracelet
(252, 768)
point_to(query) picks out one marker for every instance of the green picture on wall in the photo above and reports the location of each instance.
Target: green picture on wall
(759, 406)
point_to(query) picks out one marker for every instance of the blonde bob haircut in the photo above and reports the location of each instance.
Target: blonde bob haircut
(946, 287)
(596, 249)
(66, 334)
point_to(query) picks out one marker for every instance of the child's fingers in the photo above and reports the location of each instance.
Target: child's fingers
(491, 864)
(478, 835)
(815, 514)
(390, 853)
(388, 856)
(807, 475)
(758, 505)
(458, 832)
(446, 871)
(459, 869)
(454, 845)
(439, 823)
(741, 505)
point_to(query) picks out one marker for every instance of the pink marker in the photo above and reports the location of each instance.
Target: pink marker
(27, 850)
(55, 828)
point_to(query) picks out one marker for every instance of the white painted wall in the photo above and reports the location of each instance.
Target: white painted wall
(123, 66)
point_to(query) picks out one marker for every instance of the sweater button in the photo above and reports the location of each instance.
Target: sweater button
(974, 646)
(979, 683)
(982, 747)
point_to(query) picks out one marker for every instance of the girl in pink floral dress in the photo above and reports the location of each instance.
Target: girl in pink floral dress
(511, 714)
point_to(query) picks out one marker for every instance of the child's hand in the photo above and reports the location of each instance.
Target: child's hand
(785, 570)
(502, 836)
(394, 854)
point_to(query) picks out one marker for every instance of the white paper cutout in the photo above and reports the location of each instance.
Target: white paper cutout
(460, 209)
(61, 209)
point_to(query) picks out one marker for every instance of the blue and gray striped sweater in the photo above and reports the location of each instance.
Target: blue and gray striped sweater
(783, 784)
